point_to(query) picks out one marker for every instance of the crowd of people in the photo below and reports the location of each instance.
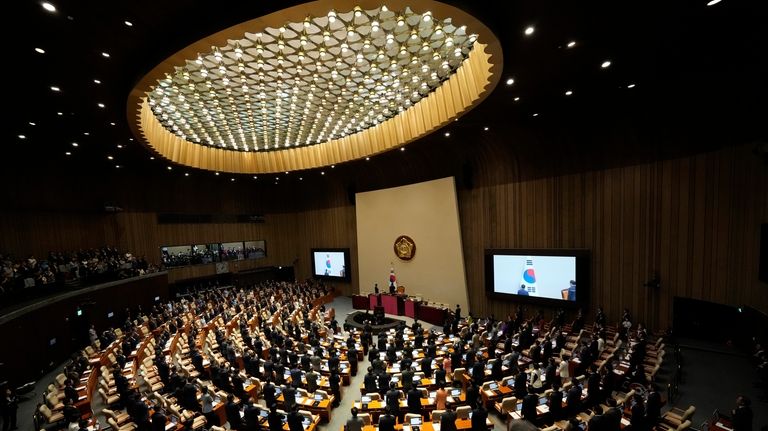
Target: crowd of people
(24, 278)
(196, 255)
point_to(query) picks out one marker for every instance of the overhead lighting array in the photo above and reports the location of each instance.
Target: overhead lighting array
(309, 82)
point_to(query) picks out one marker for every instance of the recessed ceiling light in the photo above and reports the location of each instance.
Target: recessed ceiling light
(571, 44)
(485, 128)
(402, 148)
(606, 64)
(86, 134)
(713, 2)
(217, 173)
(510, 81)
(151, 157)
(130, 139)
(322, 173)
(32, 123)
(301, 178)
(119, 146)
(286, 172)
(75, 144)
(568, 93)
(529, 30)
(49, 7)
(117, 166)
(128, 23)
(186, 174)
(447, 134)
(255, 177)
(55, 88)
(68, 153)
(40, 50)
(367, 158)
(22, 137)
(170, 168)
(110, 158)
(105, 54)
(97, 81)
(333, 166)
(111, 123)
(100, 105)
(536, 114)
(517, 99)
(232, 179)
(59, 113)
(631, 86)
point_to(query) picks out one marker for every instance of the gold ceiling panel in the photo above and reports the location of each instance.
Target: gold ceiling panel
(315, 85)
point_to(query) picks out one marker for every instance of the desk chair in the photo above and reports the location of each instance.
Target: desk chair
(462, 412)
(129, 426)
(437, 415)
(506, 406)
(366, 417)
(676, 416)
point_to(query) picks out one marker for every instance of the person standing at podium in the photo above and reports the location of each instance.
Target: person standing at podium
(376, 288)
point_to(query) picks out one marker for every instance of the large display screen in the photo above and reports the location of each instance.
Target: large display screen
(538, 275)
(331, 263)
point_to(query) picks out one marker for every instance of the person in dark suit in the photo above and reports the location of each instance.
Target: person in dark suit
(274, 419)
(289, 398)
(478, 372)
(593, 385)
(440, 375)
(652, 405)
(233, 414)
(158, 420)
(393, 400)
(472, 393)
(521, 385)
(189, 396)
(612, 415)
(295, 420)
(387, 421)
(448, 420)
(742, 414)
(426, 366)
(269, 393)
(556, 402)
(251, 416)
(528, 410)
(522, 290)
(407, 376)
(370, 382)
(333, 382)
(574, 399)
(414, 401)
(352, 358)
(479, 417)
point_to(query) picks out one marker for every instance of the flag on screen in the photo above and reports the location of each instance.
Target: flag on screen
(529, 276)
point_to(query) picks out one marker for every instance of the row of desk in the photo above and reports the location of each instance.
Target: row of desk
(401, 305)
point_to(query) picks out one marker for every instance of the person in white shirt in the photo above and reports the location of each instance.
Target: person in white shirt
(562, 369)
(535, 379)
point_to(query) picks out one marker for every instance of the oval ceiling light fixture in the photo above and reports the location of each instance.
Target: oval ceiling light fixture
(315, 85)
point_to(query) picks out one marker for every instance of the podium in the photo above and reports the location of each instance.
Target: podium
(373, 301)
(392, 304)
(410, 308)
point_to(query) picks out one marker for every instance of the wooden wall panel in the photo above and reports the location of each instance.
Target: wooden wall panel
(695, 220)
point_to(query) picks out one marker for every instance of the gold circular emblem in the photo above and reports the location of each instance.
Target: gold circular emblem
(405, 247)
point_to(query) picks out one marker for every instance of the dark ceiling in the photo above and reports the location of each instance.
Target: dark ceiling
(698, 72)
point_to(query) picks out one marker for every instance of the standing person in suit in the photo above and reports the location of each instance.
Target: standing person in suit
(528, 411)
(440, 375)
(387, 421)
(653, 405)
(637, 415)
(479, 417)
(354, 423)
(393, 400)
(448, 420)
(742, 414)
(333, 382)
(251, 416)
(414, 401)
(158, 420)
(472, 393)
(295, 420)
(233, 414)
(574, 399)
(274, 419)
(556, 402)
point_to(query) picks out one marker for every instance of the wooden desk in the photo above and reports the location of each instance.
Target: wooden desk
(461, 424)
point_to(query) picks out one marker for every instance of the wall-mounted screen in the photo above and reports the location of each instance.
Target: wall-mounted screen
(554, 276)
(331, 263)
